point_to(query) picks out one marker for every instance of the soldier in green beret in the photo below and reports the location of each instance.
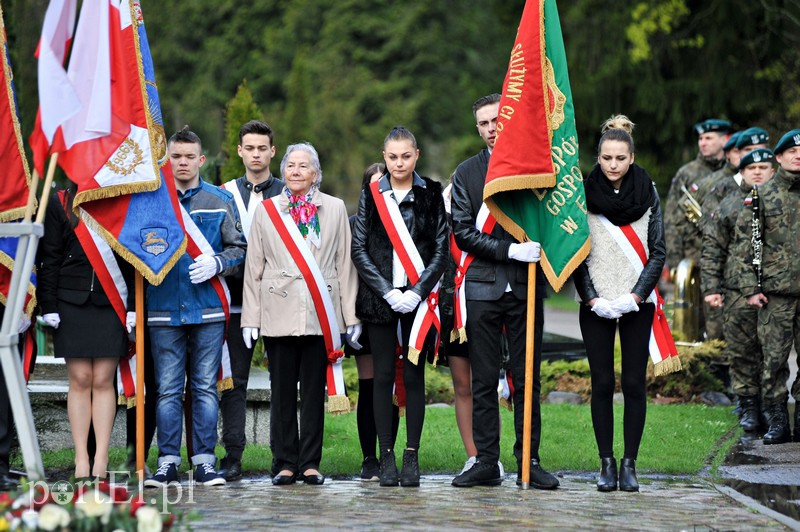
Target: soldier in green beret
(777, 293)
(683, 235)
(727, 253)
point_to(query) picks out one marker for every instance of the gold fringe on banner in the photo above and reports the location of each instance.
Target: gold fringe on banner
(667, 366)
(338, 404)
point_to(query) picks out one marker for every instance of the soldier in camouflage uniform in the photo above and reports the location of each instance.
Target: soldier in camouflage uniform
(683, 239)
(778, 297)
(727, 251)
(712, 189)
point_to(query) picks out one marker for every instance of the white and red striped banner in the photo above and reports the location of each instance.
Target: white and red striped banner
(485, 223)
(427, 315)
(663, 352)
(323, 304)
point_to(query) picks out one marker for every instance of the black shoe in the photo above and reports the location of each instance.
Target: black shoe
(608, 475)
(230, 468)
(750, 420)
(627, 475)
(312, 480)
(409, 477)
(370, 469)
(8, 483)
(778, 432)
(481, 474)
(540, 479)
(388, 467)
(284, 480)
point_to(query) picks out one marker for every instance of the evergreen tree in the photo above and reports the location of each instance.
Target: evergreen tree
(240, 109)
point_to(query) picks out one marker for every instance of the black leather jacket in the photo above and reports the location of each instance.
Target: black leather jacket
(424, 215)
(652, 270)
(491, 271)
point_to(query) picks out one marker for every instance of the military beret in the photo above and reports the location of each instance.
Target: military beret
(761, 155)
(789, 140)
(712, 125)
(732, 141)
(752, 136)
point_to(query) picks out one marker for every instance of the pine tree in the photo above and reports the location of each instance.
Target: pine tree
(240, 109)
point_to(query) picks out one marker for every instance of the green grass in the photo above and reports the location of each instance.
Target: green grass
(678, 439)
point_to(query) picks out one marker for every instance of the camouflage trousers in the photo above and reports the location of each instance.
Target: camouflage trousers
(778, 329)
(741, 344)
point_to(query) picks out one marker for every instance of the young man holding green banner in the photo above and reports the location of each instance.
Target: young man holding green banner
(494, 277)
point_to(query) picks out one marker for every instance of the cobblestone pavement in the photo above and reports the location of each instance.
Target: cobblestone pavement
(662, 504)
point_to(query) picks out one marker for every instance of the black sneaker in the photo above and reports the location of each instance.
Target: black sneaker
(389, 475)
(370, 469)
(409, 477)
(166, 474)
(480, 474)
(230, 468)
(206, 475)
(540, 479)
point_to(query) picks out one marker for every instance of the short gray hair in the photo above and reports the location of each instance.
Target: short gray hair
(309, 149)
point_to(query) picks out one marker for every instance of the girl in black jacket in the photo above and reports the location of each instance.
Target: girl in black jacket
(616, 286)
(386, 296)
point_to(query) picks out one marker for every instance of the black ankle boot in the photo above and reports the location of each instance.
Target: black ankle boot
(409, 477)
(750, 420)
(388, 469)
(627, 475)
(608, 475)
(778, 432)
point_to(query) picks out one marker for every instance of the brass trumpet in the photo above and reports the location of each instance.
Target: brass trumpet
(691, 208)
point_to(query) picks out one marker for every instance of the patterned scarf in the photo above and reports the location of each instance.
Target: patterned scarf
(304, 214)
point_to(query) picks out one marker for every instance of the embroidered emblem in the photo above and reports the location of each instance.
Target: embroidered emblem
(756, 157)
(154, 240)
(127, 157)
(796, 139)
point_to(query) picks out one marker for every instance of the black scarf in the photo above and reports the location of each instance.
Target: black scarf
(635, 195)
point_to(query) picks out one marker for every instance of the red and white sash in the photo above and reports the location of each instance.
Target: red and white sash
(197, 245)
(663, 352)
(323, 304)
(427, 315)
(485, 223)
(246, 212)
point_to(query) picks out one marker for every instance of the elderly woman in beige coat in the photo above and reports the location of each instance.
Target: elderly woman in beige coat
(299, 294)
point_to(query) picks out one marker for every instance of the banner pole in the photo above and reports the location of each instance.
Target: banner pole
(32, 191)
(530, 331)
(139, 286)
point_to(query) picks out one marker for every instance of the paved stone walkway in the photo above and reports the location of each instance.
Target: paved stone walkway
(662, 504)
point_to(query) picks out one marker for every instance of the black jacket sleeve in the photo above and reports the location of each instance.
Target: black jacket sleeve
(361, 259)
(468, 237)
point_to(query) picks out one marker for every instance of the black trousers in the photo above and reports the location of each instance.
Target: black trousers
(383, 339)
(294, 359)
(485, 321)
(634, 335)
(233, 402)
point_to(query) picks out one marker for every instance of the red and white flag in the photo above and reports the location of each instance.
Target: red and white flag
(58, 99)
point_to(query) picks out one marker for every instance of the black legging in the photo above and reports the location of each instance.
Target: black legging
(365, 418)
(383, 339)
(598, 335)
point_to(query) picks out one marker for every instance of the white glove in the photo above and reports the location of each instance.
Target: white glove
(624, 304)
(353, 334)
(602, 307)
(204, 268)
(250, 336)
(24, 323)
(130, 321)
(52, 320)
(393, 297)
(409, 303)
(525, 252)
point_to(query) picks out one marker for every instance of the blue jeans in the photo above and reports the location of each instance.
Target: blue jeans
(202, 344)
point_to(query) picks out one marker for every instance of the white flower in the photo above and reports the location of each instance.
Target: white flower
(30, 518)
(148, 519)
(95, 503)
(53, 517)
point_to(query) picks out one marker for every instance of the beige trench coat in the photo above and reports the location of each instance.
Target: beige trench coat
(276, 297)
